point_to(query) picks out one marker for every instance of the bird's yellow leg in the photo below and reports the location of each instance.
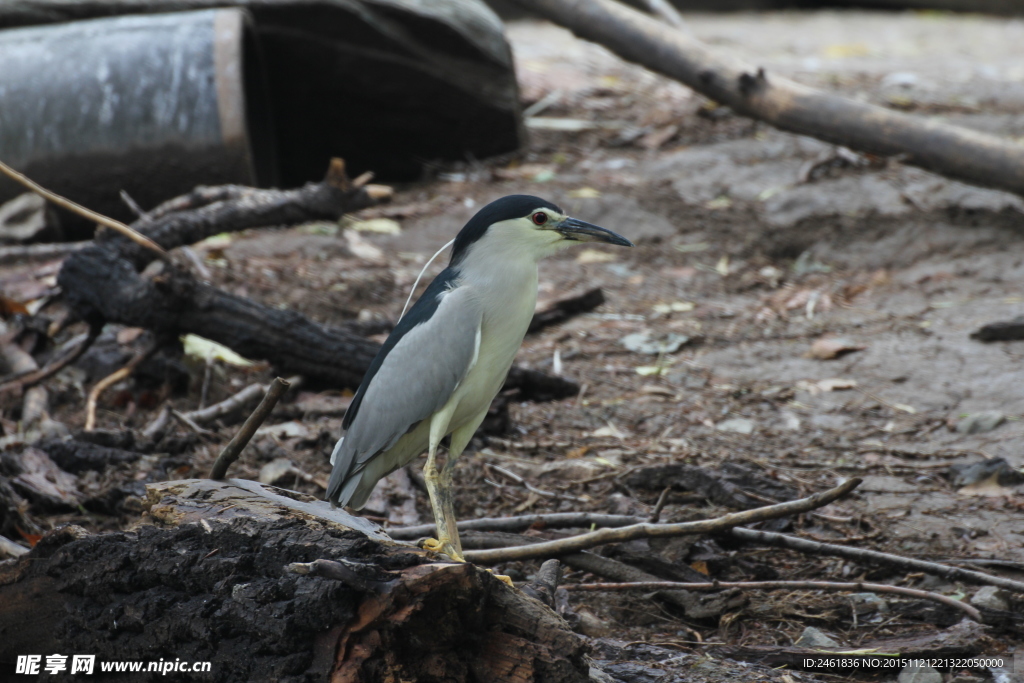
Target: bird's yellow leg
(439, 488)
(460, 439)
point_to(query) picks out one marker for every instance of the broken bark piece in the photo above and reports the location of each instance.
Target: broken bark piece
(36, 477)
(219, 575)
(563, 309)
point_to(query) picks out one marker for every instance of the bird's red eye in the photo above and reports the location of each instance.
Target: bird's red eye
(540, 218)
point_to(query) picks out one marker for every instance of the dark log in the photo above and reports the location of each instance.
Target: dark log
(102, 283)
(1006, 330)
(270, 587)
(563, 309)
(948, 150)
(80, 456)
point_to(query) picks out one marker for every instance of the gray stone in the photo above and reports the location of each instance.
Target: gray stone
(991, 597)
(919, 674)
(737, 425)
(979, 423)
(813, 637)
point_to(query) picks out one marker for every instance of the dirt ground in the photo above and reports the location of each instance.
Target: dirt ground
(768, 252)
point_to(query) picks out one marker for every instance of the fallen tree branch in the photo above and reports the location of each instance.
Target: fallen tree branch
(948, 150)
(553, 520)
(629, 533)
(803, 545)
(234, 448)
(858, 586)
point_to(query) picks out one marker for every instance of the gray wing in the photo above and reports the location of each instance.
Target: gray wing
(415, 380)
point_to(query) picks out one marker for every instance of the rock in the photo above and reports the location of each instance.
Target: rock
(979, 423)
(866, 603)
(737, 425)
(995, 470)
(919, 674)
(813, 637)
(990, 597)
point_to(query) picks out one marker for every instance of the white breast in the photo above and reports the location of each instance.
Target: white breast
(507, 289)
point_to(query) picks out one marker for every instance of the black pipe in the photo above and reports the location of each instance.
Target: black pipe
(150, 104)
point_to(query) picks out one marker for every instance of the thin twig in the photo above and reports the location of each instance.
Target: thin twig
(967, 609)
(770, 538)
(110, 380)
(659, 506)
(188, 422)
(552, 520)
(232, 403)
(629, 533)
(91, 215)
(234, 448)
(25, 380)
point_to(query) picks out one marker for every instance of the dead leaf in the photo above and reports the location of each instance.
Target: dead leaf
(828, 348)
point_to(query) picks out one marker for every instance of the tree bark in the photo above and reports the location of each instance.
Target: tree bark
(948, 150)
(275, 588)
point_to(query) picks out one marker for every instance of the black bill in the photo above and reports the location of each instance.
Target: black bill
(581, 231)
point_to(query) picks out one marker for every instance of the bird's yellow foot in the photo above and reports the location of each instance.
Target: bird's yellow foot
(443, 547)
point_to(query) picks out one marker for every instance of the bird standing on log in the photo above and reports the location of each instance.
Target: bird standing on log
(446, 360)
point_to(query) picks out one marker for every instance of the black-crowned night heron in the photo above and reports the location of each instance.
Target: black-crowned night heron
(445, 361)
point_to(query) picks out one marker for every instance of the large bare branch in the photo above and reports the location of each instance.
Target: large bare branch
(948, 150)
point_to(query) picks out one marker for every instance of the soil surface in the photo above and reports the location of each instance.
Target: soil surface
(813, 309)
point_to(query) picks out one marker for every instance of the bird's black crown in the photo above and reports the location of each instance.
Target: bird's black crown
(512, 206)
